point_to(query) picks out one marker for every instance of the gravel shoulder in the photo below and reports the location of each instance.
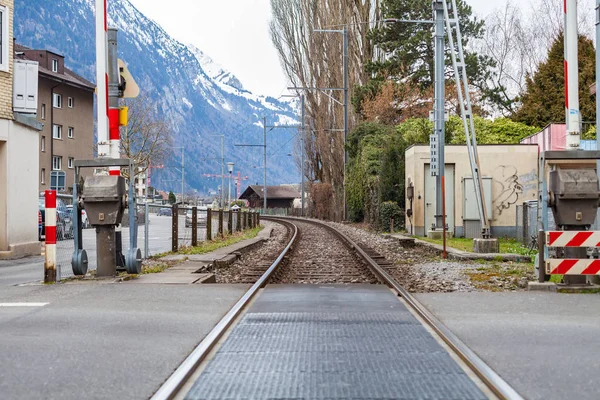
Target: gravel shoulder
(421, 269)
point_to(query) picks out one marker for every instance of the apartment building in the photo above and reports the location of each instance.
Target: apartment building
(66, 108)
(19, 150)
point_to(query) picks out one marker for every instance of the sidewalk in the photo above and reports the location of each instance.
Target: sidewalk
(186, 271)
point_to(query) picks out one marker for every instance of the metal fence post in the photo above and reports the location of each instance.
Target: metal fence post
(194, 226)
(146, 233)
(230, 222)
(50, 228)
(209, 224)
(221, 222)
(175, 228)
(541, 260)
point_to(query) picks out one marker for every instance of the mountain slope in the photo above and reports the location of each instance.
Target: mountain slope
(194, 94)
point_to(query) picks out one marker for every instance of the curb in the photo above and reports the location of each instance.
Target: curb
(460, 255)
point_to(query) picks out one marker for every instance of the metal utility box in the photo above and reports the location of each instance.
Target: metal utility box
(574, 197)
(104, 199)
(25, 87)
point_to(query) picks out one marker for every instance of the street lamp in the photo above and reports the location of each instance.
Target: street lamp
(230, 169)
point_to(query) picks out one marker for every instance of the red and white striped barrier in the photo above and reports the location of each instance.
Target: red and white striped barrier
(50, 229)
(573, 266)
(102, 78)
(573, 239)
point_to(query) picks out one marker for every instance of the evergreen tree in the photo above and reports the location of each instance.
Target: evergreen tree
(544, 99)
(172, 198)
(410, 46)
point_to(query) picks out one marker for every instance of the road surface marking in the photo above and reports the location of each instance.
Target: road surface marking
(23, 304)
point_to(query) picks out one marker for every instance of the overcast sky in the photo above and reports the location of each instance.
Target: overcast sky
(235, 33)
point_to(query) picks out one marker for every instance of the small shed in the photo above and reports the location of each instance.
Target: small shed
(277, 196)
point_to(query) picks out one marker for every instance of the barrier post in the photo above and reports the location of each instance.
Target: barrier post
(194, 226)
(221, 222)
(50, 228)
(175, 228)
(208, 225)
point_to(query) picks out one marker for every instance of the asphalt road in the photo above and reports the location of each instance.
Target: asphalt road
(543, 344)
(102, 341)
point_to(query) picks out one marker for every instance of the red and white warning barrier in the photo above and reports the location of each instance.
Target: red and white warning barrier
(573, 266)
(50, 230)
(573, 239)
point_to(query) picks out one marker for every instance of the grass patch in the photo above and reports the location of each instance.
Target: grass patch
(510, 246)
(207, 247)
(154, 269)
(501, 277)
(556, 278)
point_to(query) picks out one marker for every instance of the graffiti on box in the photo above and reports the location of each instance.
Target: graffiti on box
(510, 187)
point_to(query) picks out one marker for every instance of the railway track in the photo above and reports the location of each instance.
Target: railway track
(319, 254)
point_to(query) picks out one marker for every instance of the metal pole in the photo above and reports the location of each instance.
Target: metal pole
(265, 161)
(302, 138)
(229, 190)
(146, 211)
(102, 78)
(345, 217)
(222, 171)
(572, 76)
(182, 175)
(439, 112)
(597, 80)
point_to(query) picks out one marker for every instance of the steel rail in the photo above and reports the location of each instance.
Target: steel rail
(488, 376)
(175, 382)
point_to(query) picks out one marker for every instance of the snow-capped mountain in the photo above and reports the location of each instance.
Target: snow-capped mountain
(198, 97)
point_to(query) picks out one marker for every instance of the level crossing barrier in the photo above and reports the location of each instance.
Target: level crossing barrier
(567, 266)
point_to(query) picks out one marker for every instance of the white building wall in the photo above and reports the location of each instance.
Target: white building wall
(20, 196)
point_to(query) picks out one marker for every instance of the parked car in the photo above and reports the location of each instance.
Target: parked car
(201, 217)
(85, 223)
(167, 212)
(64, 225)
(235, 208)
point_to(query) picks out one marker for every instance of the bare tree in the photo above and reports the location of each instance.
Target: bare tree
(315, 59)
(147, 139)
(519, 41)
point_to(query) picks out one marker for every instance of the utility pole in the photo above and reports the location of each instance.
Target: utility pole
(302, 137)
(439, 135)
(265, 156)
(182, 174)
(222, 171)
(597, 80)
(572, 113)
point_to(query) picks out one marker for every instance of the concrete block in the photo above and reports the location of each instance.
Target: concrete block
(543, 287)
(486, 246)
(226, 261)
(439, 234)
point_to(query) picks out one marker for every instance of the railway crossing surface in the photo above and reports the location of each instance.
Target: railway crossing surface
(331, 342)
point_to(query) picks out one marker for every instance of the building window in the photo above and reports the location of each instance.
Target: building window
(71, 133)
(54, 65)
(71, 162)
(43, 112)
(4, 38)
(43, 176)
(57, 132)
(43, 143)
(57, 163)
(57, 100)
(70, 102)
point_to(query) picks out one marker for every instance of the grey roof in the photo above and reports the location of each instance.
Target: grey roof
(273, 192)
(69, 76)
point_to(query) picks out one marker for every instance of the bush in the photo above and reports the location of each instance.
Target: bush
(388, 210)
